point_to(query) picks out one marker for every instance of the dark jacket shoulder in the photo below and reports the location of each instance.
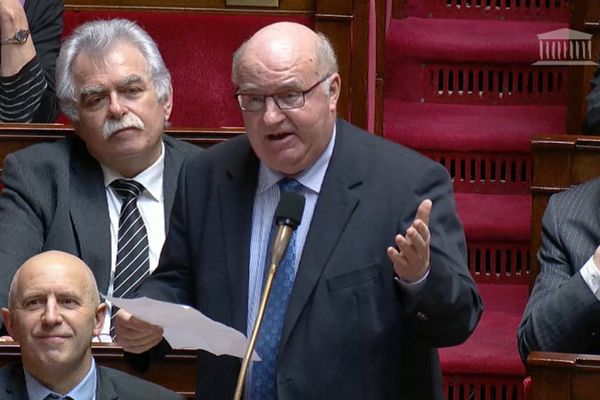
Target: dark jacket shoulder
(129, 387)
(181, 145)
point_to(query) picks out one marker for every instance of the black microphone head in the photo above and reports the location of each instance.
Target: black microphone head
(289, 210)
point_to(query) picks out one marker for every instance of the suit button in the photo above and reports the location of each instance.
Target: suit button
(421, 316)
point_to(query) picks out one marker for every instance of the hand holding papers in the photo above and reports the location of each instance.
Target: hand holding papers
(186, 327)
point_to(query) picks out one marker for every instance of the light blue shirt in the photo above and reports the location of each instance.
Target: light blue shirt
(85, 390)
(265, 202)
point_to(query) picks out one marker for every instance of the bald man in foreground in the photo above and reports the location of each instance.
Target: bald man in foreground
(375, 278)
(54, 310)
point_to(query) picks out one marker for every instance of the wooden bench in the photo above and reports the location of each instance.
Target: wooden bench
(559, 162)
(14, 137)
(198, 37)
(177, 371)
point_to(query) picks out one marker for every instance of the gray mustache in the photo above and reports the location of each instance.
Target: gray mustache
(130, 120)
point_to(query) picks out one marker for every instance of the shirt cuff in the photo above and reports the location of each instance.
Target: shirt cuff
(591, 276)
(413, 288)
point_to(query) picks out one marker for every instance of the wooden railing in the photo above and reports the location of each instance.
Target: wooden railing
(559, 162)
(585, 17)
(563, 376)
(345, 22)
(177, 371)
(14, 137)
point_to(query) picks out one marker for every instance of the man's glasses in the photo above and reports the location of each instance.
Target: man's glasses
(285, 101)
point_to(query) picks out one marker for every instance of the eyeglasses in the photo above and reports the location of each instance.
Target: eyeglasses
(285, 101)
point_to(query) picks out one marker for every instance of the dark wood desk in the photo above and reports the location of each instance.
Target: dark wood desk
(177, 371)
(563, 376)
(559, 161)
(14, 137)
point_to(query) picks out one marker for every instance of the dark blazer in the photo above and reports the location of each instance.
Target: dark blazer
(350, 332)
(54, 199)
(112, 385)
(562, 313)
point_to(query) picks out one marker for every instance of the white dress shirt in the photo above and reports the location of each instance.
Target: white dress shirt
(151, 204)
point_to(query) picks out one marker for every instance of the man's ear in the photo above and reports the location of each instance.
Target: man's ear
(168, 104)
(6, 316)
(99, 318)
(335, 86)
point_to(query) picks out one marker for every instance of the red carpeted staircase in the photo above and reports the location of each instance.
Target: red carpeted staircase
(460, 87)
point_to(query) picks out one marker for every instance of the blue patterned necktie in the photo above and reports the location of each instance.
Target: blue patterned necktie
(54, 396)
(264, 373)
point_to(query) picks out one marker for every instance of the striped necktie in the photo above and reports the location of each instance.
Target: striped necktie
(264, 372)
(132, 244)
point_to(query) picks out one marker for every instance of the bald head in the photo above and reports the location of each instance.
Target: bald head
(285, 43)
(54, 311)
(56, 264)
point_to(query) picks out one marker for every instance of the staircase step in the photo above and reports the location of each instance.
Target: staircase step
(468, 128)
(495, 217)
(465, 41)
(470, 62)
(555, 10)
(492, 348)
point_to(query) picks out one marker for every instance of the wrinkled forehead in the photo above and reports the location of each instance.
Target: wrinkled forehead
(51, 278)
(277, 64)
(121, 58)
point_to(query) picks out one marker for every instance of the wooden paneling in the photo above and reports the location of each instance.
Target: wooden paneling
(585, 15)
(306, 6)
(559, 162)
(345, 22)
(14, 137)
(562, 376)
(177, 371)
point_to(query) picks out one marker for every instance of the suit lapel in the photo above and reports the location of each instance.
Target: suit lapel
(89, 213)
(15, 387)
(105, 389)
(236, 199)
(337, 200)
(173, 161)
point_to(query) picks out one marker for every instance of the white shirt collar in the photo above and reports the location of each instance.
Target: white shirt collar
(311, 178)
(151, 177)
(86, 389)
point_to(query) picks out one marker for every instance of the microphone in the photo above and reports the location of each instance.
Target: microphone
(287, 218)
(288, 215)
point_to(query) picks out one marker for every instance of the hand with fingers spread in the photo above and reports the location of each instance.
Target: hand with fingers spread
(411, 257)
(135, 335)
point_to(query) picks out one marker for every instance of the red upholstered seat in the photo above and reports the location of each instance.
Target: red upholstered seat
(487, 365)
(495, 218)
(197, 50)
(492, 349)
(466, 128)
(461, 87)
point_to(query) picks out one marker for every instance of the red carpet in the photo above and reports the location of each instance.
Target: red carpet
(461, 88)
(466, 128)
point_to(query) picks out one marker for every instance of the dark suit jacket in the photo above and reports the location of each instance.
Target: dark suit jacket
(350, 332)
(112, 385)
(562, 313)
(54, 199)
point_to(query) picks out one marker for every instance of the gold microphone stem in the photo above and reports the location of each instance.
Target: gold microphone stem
(261, 311)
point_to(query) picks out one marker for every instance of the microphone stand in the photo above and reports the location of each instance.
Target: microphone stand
(282, 234)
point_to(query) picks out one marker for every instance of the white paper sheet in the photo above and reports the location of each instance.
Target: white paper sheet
(186, 327)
